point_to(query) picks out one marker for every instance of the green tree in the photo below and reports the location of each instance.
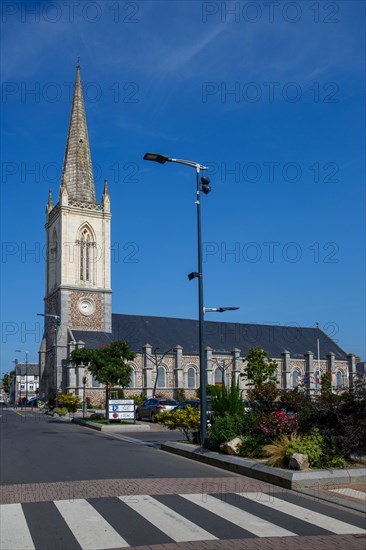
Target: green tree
(6, 380)
(109, 364)
(260, 367)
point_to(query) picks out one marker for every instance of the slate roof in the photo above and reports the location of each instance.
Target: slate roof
(31, 369)
(166, 333)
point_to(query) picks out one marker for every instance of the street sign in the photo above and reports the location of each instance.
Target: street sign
(121, 409)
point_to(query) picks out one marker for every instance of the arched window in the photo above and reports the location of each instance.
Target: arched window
(86, 245)
(132, 383)
(95, 383)
(339, 379)
(295, 378)
(218, 376)
(161, 382)
(192, 378)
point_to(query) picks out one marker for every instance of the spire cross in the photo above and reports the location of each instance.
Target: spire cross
(78, 60)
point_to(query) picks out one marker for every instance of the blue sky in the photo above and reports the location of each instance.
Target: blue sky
(271, 97)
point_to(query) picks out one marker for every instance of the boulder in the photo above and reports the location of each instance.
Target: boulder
(231, 447)
(298, 461)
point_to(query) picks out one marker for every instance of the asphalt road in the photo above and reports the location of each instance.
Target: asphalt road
(38, 448)
(66, 487)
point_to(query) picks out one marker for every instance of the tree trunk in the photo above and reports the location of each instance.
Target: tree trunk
(107, 403)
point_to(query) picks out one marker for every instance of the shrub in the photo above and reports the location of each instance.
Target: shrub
(60, 411)
(139, 399)
(228, 401)
(277, 451)
(342, 419)
(321, 452)
(276, 424)
(252, 445)
(69, 401)
(186, 420)
(223, 429)
(265, 395)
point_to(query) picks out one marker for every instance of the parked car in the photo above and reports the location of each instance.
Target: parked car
(32, 402)
(150, 408)
(285, 410)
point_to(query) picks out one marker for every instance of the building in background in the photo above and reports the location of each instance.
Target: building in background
(78, 307)
(24, 384)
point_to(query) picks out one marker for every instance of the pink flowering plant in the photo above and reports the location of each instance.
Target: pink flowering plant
(277, 424)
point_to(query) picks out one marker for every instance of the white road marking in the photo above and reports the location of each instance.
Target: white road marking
(15, 534)
(172, 524)
(245, 520)
(90, 529)
(331, 524)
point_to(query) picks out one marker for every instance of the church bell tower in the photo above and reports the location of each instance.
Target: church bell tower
(78, 276)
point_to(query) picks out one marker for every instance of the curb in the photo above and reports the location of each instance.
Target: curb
(112, 428)
(283, 478)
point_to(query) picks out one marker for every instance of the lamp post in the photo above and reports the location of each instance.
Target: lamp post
(26, 371)
(202, 184)
(84, 398)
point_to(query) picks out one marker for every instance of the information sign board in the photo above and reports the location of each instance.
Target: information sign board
(121, 409)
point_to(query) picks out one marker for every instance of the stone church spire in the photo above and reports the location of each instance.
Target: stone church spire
(77, 173)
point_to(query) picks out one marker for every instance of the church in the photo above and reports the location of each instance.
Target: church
(78, 308)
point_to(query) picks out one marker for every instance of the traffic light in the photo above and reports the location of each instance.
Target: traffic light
(205, 187)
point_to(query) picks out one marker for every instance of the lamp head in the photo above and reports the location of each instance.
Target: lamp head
(156, 157)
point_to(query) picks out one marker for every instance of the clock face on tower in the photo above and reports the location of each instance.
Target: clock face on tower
(86, 306)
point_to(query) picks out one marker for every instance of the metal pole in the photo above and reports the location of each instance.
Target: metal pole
(84, 398)
(203, 419)
(26, 377)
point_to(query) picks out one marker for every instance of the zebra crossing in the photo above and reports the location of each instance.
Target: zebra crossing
(138, 520)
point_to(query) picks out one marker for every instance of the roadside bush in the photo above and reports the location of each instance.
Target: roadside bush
(342, 419)
(69, 401)
(224, 429)
(60, 411)
(139, 399)
(252, 445)
(299, 403)
(265, 395)
(186, 420)
(321, 451)
(275, 425)
(277, 451)
(228, 401)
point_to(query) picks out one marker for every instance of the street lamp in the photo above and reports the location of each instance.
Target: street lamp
(84, 398)
(202, 185)
(26, 371)
(219, 309)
